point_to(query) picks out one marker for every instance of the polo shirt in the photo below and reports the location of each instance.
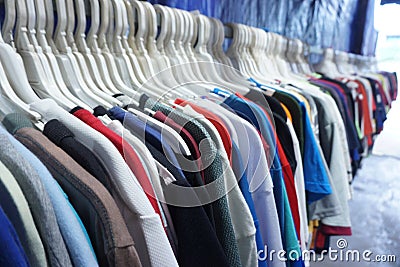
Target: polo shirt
(300, 189)
(258, 176)
(288, 231)
(156, 172)
(286, 169)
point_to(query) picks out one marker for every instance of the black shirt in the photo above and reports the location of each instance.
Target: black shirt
(61, 136)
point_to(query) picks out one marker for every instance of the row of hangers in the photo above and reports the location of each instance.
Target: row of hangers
(130, 47)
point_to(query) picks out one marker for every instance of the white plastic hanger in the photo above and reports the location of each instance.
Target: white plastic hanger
(291, 56)
(155, 48)
(327, 66)
(237, 52)
(68, 64)
(184, 69)
(209, 68)
(185, 25)
(159, 61)
(285, 63)
(124, 51)
(166, 21)
(117, 18)
(249, 44)
(105, 32)
(137, 66)
(37, 68)
(188, 45)
(233, 50)
(228, 71)
(41, 21)
(9, 99)
(300, 58)
(80, 39)
(99, 48)
(106, 96)
(165, 42)
(143, 16)
(128, 41)
(140, 15)
(249, 41)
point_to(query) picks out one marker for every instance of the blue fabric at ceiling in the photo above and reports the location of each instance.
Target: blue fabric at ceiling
(384, 2)
(345, 25)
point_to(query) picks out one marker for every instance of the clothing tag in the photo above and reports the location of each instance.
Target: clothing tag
(220, 92)
(378, 98)
(268, 91)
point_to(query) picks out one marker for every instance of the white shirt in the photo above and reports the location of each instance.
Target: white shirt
(300, 188)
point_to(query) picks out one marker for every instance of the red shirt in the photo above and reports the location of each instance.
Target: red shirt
(368, 130)
(290, 187)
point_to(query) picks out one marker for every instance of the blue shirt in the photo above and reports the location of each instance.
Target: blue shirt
(315, 175)
(240, 173)
(12, 253)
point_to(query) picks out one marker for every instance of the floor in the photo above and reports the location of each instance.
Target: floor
(375, 207)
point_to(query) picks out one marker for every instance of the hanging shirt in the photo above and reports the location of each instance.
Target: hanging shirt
(12, 252)
(155, 171)
(61, 136)
(197, 240)
(240, 172)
